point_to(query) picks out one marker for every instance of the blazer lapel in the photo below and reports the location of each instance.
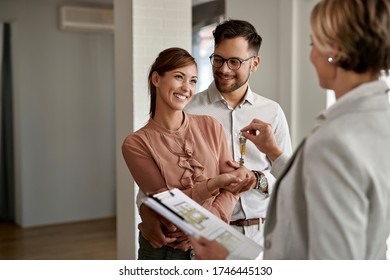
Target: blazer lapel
(271, 211)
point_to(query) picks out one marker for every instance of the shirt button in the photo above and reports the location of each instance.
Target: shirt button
(267, 244)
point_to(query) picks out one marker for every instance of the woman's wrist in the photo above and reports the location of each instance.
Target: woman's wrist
(212, 186)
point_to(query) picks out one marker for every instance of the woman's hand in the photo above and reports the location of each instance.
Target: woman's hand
(208, 249)
(242, 172)
(230, 182)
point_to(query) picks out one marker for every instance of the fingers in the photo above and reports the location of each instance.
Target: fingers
(242, 172)
(156, 239)
(251, 136)
(245, 185)
(256, 127)
(179, 235)
(233, 164)
(181, 242)
(169, 226)
(155, 244)
(255, 124)
(152, 227)
(208, 249)
(200, 247)
(184, 245)
(249, 184)
(159, 242)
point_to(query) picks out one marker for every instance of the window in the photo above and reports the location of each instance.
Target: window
(202, 48)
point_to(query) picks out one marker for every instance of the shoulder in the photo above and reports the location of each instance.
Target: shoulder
(204, 121)
(198, 100)
(136, 139)
(260, 100)
(335, 141)
(268, 110)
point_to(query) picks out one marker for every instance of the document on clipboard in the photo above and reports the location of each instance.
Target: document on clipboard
(195, 220)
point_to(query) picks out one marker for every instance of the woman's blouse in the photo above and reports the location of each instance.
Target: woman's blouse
(160, 159)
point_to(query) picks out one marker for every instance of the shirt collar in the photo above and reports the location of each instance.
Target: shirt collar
(158, 128)
(216, 96)
(342, 104)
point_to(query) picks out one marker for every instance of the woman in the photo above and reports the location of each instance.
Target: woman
(332, 199)
(178, 150)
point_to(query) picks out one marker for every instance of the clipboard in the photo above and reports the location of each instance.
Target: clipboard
(195, 220)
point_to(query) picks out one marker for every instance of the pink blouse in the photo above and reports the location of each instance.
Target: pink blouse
(160, 159)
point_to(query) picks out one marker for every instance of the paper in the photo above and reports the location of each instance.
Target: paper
(195, 220)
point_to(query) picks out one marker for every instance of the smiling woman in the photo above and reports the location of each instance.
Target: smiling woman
(179, 150)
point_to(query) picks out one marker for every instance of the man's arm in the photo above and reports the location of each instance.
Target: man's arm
(152, 229)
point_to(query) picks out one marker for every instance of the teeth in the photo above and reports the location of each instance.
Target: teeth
(182, 97)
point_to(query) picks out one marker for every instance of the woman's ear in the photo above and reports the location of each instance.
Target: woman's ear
(155, 78)
(334, 52)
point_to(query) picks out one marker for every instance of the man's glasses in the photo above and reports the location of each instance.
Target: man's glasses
(233, 63)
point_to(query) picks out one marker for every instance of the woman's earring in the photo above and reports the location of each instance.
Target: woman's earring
(330, 59)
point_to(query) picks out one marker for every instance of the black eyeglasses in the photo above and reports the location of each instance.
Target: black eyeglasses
(233, 63)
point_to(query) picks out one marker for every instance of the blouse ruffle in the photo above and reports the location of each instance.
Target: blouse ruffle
(184, 149)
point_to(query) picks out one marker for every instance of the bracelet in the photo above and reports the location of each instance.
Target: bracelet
(261, 180)
(258, 177)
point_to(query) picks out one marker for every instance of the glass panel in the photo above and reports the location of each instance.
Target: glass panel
(202, 48)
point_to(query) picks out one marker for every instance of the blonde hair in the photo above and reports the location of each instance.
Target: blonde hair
(361, 30)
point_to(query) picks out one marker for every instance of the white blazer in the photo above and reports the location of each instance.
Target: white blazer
(332, 200)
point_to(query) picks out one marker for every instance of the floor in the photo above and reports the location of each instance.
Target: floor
(89, 240)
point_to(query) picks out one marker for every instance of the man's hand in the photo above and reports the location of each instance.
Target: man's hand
(154, 228)
(182, 242)
(262, 135)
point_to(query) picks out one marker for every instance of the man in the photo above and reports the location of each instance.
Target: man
(231, 101)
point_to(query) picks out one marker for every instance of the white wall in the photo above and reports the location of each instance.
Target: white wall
(124, 116)
(64, 117)
(143, 28)
(285, 73)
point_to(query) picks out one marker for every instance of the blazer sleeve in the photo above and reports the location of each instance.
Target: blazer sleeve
(337, 206)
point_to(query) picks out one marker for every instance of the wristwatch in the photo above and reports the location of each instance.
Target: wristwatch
(262, 182)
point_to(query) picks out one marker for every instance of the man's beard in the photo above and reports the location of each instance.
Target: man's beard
(232, 88)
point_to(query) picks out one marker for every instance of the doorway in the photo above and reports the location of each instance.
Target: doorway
(7, 178)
